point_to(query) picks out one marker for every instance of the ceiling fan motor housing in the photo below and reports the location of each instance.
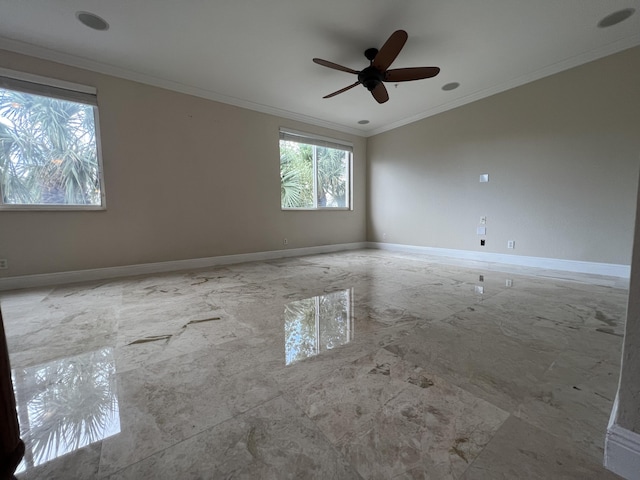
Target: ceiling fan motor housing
(371, 53)
(378, 71)
(370, 77)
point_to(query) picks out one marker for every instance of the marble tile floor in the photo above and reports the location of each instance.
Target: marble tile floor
(364, 365)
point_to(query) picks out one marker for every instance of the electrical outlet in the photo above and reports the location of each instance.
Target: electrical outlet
(285, 241)
(483, 220)
(511, 244)
(482, 242)
(3, 263)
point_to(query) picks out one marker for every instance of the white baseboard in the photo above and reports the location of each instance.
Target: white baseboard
(621, 449)
(622, 452)
(607, 269)
(40, 280)
(46, 279)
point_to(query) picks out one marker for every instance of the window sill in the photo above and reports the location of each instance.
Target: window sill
(51, 208)
(327, 209)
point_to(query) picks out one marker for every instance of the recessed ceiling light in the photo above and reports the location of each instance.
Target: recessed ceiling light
(363, 122)
(92, 20)
(450, 86)
(616, 17)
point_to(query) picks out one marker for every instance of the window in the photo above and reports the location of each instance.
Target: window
(49, 151)
(315, 173)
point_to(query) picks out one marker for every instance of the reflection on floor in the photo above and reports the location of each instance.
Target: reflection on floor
(316, 324)
(362, 364)
(66, 404)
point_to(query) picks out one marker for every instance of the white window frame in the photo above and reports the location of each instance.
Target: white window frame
(327, 142)
(74, 92)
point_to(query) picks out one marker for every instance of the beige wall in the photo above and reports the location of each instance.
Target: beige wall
(562, 154)
(190, 178)
(185, 178)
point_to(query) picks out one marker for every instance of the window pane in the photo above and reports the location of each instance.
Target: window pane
(48, 153)
(296, 174)
(335, 324)
(333, 168)
(300, 330)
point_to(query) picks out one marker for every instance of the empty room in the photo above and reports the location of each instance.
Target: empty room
(341, 240)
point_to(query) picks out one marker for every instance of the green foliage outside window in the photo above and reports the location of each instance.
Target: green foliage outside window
(48, 153)
(299, 172)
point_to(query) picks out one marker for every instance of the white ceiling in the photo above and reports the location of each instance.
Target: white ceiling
(257, 53)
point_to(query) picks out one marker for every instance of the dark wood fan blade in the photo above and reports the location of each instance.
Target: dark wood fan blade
(408, 74)
(380, 93)
(335, 66)
(342, 90)
(390, 50)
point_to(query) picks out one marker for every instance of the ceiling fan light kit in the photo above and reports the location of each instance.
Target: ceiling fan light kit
(374, 76)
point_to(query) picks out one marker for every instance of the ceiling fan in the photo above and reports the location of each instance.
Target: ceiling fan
(377, 72)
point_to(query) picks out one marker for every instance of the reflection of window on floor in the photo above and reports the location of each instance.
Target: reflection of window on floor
(316, 324)
(65, 405)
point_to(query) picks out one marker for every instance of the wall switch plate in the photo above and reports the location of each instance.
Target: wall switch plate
(511, 244)
(508, 283)
(481, 230)
(484, 178)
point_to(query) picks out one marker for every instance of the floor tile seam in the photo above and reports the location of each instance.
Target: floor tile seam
(155, 362)
(405, 386)
(461, 385)
(555, 325)
(491, 440)
(454, 310)
(16, 365)
(157, 452)
(513, 270)
(341, 271)
(320, 379)
(317, 379)
(279, 389)
(179, 355)
(290, 399)
(189, 437)
(406, 311)
(567, 442)
(581, 281)
(369, 338)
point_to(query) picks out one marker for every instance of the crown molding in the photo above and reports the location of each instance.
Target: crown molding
(92, 65)
(106, 69)
(558, 67)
